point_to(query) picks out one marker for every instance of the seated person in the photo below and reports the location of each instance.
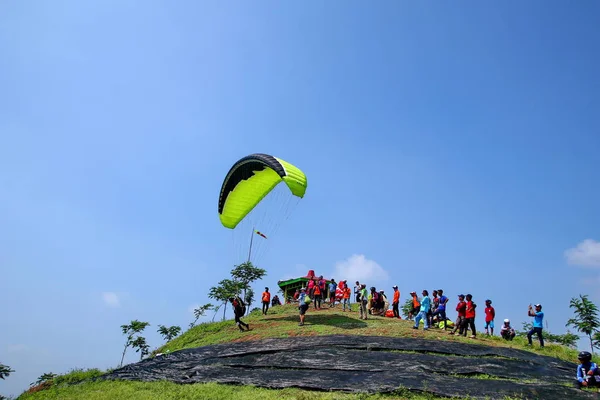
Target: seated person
(507, 332)
(275, 301)
(588, 373)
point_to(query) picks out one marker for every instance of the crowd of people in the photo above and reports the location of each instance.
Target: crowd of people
(430, 311)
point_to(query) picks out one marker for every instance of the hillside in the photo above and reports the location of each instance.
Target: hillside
(334, 350)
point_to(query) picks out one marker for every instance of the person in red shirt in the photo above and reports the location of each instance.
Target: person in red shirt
(459, 325)
(266, 300)
(395, 302)
(490, 314)
(470, 317)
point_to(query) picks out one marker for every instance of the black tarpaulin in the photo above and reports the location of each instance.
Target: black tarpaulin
(367, 364)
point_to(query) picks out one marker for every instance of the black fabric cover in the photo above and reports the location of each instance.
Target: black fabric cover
(367, 364)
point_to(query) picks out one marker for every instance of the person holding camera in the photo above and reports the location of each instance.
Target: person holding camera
(538, 318)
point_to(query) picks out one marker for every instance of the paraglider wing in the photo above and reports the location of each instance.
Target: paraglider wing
(250, 179)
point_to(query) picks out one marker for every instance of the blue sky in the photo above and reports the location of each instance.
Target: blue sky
(445, 145)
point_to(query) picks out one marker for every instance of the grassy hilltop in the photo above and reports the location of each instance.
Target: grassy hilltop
(281, 322)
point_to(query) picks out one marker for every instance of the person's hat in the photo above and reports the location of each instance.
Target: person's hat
(507, 321)
(538, 305)
(394, 287)
(303, 289)
(413, 292)
(461, 295)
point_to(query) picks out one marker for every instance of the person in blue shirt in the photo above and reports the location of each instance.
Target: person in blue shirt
(425, 307)
(588, 373)
(441, 309)
(332, 288)
(538, 318)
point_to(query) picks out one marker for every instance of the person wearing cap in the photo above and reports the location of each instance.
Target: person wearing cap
(266, 300)
(416, 306)
(396, 301)
(538, 319)
(459, 325)
(507, 332)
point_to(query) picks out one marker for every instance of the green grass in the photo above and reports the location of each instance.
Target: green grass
(127, 390)
(281, 322)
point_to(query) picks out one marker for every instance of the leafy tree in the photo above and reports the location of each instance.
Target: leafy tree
(224, 290)
(249, 298)
(199, 312)
(130, 330)
(246, 273)
(140, 346)
(169, 333)
(5, 371)
(596, 339)
(407, 308)
(586, 317)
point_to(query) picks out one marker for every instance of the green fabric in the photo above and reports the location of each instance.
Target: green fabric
(248, 193)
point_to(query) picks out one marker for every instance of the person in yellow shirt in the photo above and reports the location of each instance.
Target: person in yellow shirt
(395, 302)
(266, 300)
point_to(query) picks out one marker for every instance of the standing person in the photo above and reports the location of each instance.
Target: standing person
(441, 308)
(346, 296)
(490, 314)
(238, 312)
(459, 325)
(470, 317)
(395, 302)
(425, 307)
(303, 302)
(332, 288)
(266, 300)
(507, 332)
(538, 319)
(357, 292)
(364, 299)
(587, 371)
(416, 306)
(434, 304)
(317, 297)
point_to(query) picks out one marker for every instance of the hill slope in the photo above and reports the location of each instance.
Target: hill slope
(335, 350)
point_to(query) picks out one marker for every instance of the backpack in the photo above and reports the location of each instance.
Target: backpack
(242, 305)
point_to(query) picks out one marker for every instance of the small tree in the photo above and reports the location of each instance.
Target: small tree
(199, 312)
(5, 371)
(246, 273)
(223, 291)
(407, 308)
(586, 317)
(169, 333)
(140, 346)
(130, 330)
(249, 298)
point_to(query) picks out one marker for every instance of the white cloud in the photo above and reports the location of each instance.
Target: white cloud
(587, 254)
(111, 299)
(15, 348)
(359, 268)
